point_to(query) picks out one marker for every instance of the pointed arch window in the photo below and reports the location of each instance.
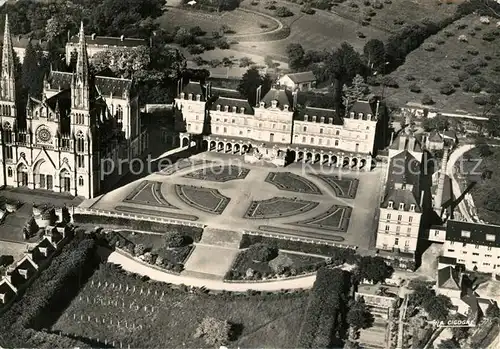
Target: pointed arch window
(119, 113)
(80, 181)
(9, 171)
(80, 142)
(7, 133)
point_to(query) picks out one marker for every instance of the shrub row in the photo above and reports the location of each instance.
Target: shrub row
(194, 233)
(337, 254)
(47, 297)
(328, 300)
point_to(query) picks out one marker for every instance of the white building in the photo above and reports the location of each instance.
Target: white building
(275, 125)
(61, 140)
(298, 81)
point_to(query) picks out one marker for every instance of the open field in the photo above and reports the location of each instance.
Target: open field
(165, 317)
(323, 30)
(395, 14)
(239, 21)
(474, 62)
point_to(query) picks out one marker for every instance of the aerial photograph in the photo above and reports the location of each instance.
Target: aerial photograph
(250, 174)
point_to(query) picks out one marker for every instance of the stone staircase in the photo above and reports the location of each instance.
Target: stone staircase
(221, 238)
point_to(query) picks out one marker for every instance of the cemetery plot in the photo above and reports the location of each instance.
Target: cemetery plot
(204, 199)
(219, 173)
(335, 219)
(278, 207)
(117, 307)
(148, 193)
(343, 187)
(292, 182)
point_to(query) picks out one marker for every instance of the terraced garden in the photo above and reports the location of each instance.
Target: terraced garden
(204, 199)
(219, 173)
(343, 187)
(148, 193)
(335, 219)
(292, 182)
(278, 207)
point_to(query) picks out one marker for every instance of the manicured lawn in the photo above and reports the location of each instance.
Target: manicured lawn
(425, 66)
(396, 12)
(240, 22)
(288, 261)
(168, 318)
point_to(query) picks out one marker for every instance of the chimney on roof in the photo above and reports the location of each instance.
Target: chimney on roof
(122, 37)
(438, 202)
(295, 98)
(377, 108)
(257, 95)
(93, 36)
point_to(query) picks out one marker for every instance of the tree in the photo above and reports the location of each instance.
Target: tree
(139, 249)
(57, 27)
(214, 331)
(174, 239)
(460, 333)
(438, 307)
(262, 252)
(123, 62)
(449, 344)
(358, 316)
(295, 54)
(439, 123)
(250, 81)
(483, 147)
(66, 216)
(427, 100)
(32, 74)
(357, 90)
(374, 269)
(374, 54)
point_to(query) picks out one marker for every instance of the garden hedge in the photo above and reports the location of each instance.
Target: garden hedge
(337, 254)
(47, 297)
(194, 233)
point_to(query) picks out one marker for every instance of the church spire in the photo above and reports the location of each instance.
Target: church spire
(82, 63)
(8, 68)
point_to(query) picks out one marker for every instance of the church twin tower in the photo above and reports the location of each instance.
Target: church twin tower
(58, 142)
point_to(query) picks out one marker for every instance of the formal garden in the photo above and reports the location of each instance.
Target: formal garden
(182, 164)
(278, 207)
(335, 219)
(292, 182)
(205, 199)
(343, 187)
(149, 193)
(219, 173)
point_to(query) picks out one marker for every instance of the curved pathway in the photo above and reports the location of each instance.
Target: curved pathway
(454, 157)
(240, 36)
(136, 267)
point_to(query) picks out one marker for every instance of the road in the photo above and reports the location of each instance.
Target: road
(454, 157)
(136, 267)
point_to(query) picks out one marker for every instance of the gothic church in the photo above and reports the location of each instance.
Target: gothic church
(62, 142)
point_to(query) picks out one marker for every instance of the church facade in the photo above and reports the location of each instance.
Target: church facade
(276, 126)
(71, 139)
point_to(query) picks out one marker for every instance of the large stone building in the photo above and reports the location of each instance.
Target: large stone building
(96, 44)
(275, 127)
(60, 141)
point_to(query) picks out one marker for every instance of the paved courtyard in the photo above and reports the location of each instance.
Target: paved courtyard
(223, 192)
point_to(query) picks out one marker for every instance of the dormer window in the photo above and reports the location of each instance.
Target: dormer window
(314, 118)
(322, 119)
(274, 104)
(390, 204)
(306, 118)
(360, 115)
(490, 237)
(369, 116)
(242, 110)
(465, 234)
(285, 107)
(412, 207)
(190, 96)
(234, 109)
(226, 108)
(352, 114)
(330, 120)
(218, 107)
(198, 98)
(182, 95)
(401, 206)
(262, 104)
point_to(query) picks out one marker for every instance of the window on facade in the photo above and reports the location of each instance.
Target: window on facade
(476, 246)
(410, 219)
(475, 254)
(337, 132)
(452, 242)
(216, 128)
(490, 237)
(119, 113)
(8, 153)
(303, 139)
(400, 217)
(312, 140)
(197, 117)
(398, 229)
(336, 142)
(401, 206)
(80, 142)
(189, 126)
(487, 255)
(388, 216)
(225, 120)
(450, 250)
(225, 129)
(486, 263)
(42, 181)
(80, 181)
(386, 228)
(465, 234)
(80, 159)
(396, 241)
(474, 262)
(489, 248)
(412, 207)
(407, 243)
(284, 127)
(260, 125)
(9, 171)
(274, 125)
(390, 204)
(321, 130)
(464, 244)
(233, 121)
(304, 129)
(436, 233)
(320, 141)
(408, 230)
